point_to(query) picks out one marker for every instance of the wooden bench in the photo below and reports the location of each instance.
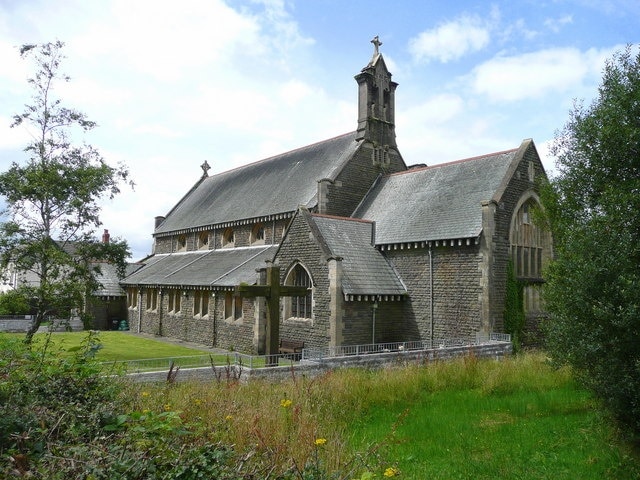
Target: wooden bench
(288, 345)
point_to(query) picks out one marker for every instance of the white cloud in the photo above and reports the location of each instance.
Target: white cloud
(556, 24)
(531, 75)
(451, 40)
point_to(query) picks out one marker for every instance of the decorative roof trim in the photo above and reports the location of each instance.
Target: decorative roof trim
(234, 223)
(373, 298)
(452, 242)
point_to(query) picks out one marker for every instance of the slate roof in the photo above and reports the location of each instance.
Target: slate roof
(219, 268)
(272, 186)
(440, 202)
(109, 280)
(365, 270)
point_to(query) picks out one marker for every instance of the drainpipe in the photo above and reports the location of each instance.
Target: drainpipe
(431, 292)
(374, 307)
(139, 310)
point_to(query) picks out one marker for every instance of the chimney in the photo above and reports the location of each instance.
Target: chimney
(105, 236)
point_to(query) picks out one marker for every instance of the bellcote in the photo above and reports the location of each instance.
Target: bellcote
(376, 101)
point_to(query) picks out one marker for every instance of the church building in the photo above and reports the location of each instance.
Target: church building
(387, 252)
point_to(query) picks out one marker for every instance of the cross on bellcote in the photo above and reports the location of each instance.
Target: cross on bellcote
(376, 45)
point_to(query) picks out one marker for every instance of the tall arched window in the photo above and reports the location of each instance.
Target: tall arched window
(299, 307)
(530, 250)
(530, 244)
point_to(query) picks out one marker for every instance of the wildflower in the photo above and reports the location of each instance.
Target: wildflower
(167, 407)
(198, 402)
(145, 411)
(391, 472)
(285, 403)
(320, 441)
(228, 417)
(145, 394)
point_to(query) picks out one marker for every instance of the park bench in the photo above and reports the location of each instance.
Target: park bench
(289, 346)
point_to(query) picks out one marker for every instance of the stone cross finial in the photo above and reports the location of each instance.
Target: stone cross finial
(376, 45)
(205, 169)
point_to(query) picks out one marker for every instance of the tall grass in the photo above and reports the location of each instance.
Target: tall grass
(516, 418)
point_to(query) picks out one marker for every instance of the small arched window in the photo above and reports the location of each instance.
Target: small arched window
(203, 240)
(182, 243)
(228, 238)
(257, 234)
(299, 307)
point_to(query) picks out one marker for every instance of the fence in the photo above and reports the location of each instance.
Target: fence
(240, 360)
(413, 346)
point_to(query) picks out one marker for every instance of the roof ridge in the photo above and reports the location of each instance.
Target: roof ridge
(337, 217)
(266, 159)
(454, 162)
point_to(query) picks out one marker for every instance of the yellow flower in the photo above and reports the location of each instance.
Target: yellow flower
(145, 411)
(198, 402)
(285, 403)
(228, 417)
(320, 441)
(145, 394)
(391, 472)
(167, 407)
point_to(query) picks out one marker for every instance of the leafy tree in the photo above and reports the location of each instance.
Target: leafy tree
(14, 302)
(53, 198)
(593, 284)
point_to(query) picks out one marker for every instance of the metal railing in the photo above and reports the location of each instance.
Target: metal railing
(203, 361)
(395, 347)
(311, 354)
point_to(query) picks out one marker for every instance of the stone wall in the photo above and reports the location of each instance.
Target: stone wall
(456, 297)
(343, 196)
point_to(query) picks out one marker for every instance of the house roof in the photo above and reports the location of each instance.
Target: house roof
(272, 186)
(440, 202)
(365, 270)
(209, 268)
(110, 281)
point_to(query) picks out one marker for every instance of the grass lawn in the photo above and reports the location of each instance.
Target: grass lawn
(530, 431)
(119, 346)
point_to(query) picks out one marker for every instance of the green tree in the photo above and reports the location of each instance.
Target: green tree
(14, 302)
(593, 283)
(53, 198)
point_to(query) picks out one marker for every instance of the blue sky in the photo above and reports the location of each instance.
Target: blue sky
(172, 84)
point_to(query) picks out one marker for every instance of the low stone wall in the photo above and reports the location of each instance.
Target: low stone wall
(495, 350)
(21, 325)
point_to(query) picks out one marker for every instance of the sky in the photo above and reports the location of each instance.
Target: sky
(172, 84)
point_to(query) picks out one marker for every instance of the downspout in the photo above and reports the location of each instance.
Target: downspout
(139, 310)
(431, 292)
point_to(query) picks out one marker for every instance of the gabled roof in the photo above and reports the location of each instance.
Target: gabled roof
(110, 281)
(365, 270)
(440, 202)
(269, 187)
(210, 268)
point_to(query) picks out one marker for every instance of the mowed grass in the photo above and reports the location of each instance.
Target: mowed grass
(116, 346)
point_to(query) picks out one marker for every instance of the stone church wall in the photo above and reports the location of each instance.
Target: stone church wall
(359, 322)
(517, 186)
(456, 296)
(299, 247)
(343, 196)
(273, 231)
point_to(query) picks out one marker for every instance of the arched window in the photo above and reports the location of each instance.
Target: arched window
(182, 243)
(203, 240)
(257, 234)
(228, 238)
(530, 244)
(299, 307)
